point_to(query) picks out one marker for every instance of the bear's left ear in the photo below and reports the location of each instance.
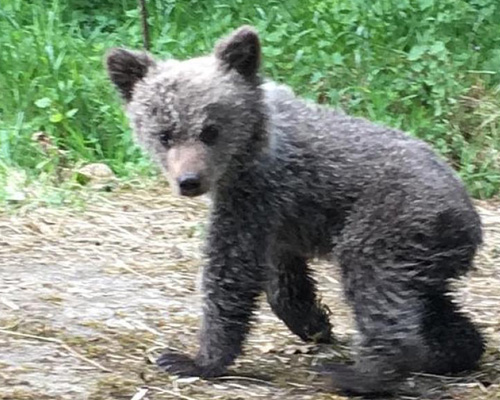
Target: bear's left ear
(126, 68)
(240, 51)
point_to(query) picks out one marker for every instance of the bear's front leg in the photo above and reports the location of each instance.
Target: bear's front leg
(232, 281)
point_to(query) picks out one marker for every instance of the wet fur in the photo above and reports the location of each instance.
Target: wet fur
(291, 181)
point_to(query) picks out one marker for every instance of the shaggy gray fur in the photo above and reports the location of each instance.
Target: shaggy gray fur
(291, 181)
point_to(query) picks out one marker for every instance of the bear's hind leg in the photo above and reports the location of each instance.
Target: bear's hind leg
(455, 344)
(388, 312)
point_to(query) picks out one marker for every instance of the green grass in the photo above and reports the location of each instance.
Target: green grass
(431, 67)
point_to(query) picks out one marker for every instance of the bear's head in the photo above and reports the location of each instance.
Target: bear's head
(201, 119)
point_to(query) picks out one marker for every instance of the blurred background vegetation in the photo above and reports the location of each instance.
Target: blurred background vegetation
(430, 67)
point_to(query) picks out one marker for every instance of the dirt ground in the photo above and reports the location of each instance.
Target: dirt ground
(89, 298)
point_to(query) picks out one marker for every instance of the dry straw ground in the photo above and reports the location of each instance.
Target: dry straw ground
(88, 298)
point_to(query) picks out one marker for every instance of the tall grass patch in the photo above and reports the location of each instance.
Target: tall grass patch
(431, 67)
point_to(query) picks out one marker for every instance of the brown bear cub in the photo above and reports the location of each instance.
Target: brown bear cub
(291, 181)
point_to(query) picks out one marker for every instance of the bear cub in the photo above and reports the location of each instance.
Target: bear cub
(291, 181)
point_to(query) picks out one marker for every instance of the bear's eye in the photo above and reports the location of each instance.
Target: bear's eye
(209, 134)
(165, 137)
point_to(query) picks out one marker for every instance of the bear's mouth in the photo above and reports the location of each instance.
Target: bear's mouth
(192, 192)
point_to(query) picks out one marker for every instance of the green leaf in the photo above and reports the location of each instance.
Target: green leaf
(43, 102)
(275, 37)
(42, 164)
(316, 77)
(134, 13)
(417, 67)
(424, 4)
(55, 118)
(298, 55)
(337, 58)
(71, 112)
(273, 51)
(416, 52)
(437, 48)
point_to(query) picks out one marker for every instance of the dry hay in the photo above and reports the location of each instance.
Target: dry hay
(89, 298)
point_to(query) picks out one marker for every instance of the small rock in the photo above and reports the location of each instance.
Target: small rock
(96, 171)
(98, 175)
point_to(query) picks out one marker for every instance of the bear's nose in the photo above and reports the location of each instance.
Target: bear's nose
(189, 184)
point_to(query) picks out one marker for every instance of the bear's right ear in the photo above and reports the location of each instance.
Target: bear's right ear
(126, 68)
